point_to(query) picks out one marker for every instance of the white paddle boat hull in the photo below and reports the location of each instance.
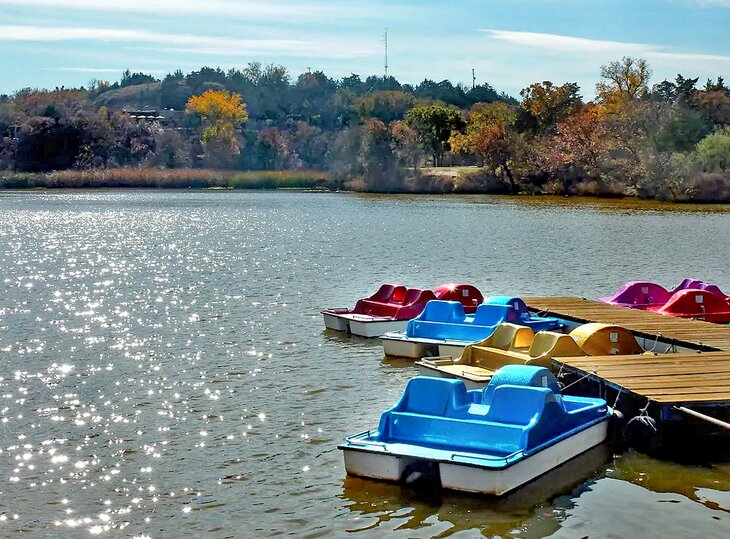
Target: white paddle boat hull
(374, 461)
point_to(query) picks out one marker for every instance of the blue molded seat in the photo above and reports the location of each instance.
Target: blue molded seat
(516, 302)
(520, 409)
(457, 434)
(490, 315)
(521, 375)
(517, 405)
(424, 395)
(521, 315)
(446, 320)
(442, 311)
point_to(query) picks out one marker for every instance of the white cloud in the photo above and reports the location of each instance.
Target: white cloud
(513, 60)
(578, 46)
(314, 47)
(560, 43)
(243, 9)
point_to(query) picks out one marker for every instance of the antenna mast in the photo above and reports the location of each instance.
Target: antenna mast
(473, 79)
(386, 52)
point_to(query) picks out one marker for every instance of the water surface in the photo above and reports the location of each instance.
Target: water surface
(164, 373)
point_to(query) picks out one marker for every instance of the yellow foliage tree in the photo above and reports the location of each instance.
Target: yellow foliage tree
(223, 112)
(490, 135)
(623, 81)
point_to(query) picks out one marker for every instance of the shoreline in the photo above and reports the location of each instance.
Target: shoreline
(442, 181)
(574, 202)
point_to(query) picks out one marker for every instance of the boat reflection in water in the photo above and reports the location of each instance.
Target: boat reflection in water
(389, 506)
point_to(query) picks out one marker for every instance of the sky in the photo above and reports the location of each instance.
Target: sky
(509, 43)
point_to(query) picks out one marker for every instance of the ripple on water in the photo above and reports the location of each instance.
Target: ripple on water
(165, 372)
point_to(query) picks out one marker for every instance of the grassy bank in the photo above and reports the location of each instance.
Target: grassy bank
(163, 179)
(441, 180)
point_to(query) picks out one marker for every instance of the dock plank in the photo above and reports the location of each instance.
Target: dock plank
(689, 333)
(644, 360)
(664, 378)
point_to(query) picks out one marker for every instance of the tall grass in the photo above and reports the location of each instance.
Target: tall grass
(163, 179)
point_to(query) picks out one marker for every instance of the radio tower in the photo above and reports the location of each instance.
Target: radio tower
(385, 36)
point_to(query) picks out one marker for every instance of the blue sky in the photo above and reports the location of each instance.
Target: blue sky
(510, 43)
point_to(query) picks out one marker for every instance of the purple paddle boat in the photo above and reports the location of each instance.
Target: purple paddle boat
(647, 295)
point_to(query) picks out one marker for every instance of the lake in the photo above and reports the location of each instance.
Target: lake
(164, 370)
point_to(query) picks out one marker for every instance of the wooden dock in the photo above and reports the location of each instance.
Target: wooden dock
(683, 332)
(684, 378)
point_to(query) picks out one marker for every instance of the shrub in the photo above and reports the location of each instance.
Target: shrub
(165, 179)
(713, 151)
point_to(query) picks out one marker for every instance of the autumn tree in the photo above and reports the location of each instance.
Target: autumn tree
(376, 158)
(490, 135)
(547, 104)
(713, 105)
(625, 79)
(222, 113)
(407, 146)
(273, 148)
(433, 125)
(581, 140)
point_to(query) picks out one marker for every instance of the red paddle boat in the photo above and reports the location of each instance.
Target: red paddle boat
(392, 306)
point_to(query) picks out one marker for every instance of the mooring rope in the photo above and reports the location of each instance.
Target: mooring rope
(620, 389)
(644, 412)
(656, 341)
(579, 379)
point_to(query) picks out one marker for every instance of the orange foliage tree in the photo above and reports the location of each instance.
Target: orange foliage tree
(223, 113)
(490, 135)
(548, 104)
(582, 138)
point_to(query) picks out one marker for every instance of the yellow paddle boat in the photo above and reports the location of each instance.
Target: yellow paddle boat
(513, 344)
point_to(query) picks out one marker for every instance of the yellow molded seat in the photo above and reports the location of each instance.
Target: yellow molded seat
(509, 337)
(548, 344)
(605, 340)
(513, 344)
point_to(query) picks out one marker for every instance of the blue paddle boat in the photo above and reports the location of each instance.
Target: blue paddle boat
(488, 441)
(444, 329)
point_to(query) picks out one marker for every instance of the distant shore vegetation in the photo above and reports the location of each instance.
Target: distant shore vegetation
(258, 127)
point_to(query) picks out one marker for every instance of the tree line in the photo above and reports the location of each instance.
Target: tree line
(670, 140)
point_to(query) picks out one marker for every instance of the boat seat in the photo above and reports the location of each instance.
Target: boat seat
(398, 295)
(597, 339)
(519, 313)
(551, 344)
(412, 295)
(456, 434)
(446, 320)
(431, 396)
(443, 311)
(491, 315)
(545, 346)
(509, 337)
(386, 291)
(518, 405)
(521, 375)
(520, 409)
